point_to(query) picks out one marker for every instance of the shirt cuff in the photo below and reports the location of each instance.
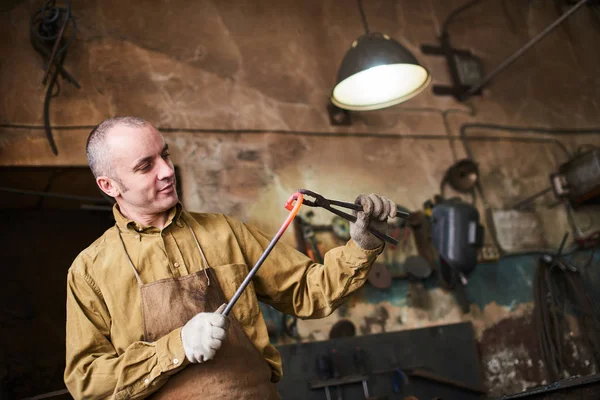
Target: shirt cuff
(169, 351)
(360, 257)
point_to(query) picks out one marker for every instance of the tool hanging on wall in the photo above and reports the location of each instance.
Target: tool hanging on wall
(51, 36)
(457, 235)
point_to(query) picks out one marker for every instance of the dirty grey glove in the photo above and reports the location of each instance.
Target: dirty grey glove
(203, 335)
(376, 211)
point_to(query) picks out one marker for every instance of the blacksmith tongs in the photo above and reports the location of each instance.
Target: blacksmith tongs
(327, 204)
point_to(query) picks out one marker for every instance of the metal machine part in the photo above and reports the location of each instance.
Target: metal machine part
(457, 234)
(417, 267)
(578, 180)
(462, 176)
(380, 276)
(465, 68)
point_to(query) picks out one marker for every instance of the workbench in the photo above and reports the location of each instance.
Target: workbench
(446, 351)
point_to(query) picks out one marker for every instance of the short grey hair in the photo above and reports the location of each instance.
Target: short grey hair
(96, 149)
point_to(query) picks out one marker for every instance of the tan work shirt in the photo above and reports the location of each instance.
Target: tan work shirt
(106, 356)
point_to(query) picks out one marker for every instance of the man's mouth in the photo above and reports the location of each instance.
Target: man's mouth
(167, 188)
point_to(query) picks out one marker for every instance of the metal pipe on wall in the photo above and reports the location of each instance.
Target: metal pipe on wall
(516, 55)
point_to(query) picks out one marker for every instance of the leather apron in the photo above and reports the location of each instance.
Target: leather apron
(238, 370)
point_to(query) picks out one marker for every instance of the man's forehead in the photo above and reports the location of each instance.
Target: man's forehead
(140, 135)
(132, 142)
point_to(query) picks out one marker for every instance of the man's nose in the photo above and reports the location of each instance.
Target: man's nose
(166, 169)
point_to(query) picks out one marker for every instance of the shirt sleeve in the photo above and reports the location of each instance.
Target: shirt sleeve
(294, 284)
(93, 367)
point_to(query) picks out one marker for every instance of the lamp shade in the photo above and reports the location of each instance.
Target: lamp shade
(377, 72)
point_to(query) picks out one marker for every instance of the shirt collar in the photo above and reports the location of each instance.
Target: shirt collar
(125, 224)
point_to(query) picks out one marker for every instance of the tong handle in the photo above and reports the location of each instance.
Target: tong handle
(383, 236)
(321, 201)
(352, 218)
(400, 213)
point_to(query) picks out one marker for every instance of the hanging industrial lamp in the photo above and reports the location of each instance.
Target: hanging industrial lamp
(377, 72)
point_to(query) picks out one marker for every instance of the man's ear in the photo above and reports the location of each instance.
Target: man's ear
(108, 186)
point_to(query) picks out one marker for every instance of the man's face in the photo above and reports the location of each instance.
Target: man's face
(142, 169)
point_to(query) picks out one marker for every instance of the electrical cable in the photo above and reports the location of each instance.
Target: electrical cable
(511, 22)
(454, 13)
(471, 112)
(47, 99)
(559, 291)
(535, 130)
(363, 17)
(364, 135)
(444, 113)
(47, 27)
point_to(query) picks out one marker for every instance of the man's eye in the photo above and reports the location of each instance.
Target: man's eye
(166, 155)
(144, 167)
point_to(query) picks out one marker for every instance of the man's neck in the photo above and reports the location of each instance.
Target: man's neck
(158, 220)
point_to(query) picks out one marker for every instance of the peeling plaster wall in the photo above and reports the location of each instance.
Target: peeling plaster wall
(270, 65)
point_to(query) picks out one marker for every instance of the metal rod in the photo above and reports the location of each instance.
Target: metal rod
(521, 51)
(48, 395)
(531, 198)
(250, 275)
(264, 255)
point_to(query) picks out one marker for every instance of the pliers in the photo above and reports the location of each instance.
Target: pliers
(327, 204)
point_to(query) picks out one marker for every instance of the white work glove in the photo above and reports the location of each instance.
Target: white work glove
(203, 335)
(376, 210)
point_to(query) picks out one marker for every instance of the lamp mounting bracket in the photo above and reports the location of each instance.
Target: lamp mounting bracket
(465, 68)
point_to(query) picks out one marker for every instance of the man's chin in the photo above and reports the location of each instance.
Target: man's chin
(174, 200)
(166, 204)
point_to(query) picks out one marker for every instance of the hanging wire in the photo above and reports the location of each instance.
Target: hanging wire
(454, 13)
(559, 292)
(363, 17)
(48, 28)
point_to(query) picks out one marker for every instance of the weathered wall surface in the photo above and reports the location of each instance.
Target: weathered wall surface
(270, 65)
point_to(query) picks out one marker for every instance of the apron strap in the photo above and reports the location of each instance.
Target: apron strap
(137, 276)
(206, 265)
